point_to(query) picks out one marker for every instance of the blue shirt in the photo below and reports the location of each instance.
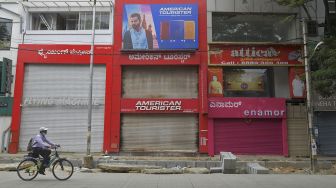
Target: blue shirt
(139, 39)
(40, 141)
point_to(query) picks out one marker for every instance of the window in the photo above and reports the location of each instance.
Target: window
(5, 33)
(332, 6)
(70, 21)
(228, 27)
(248, 82)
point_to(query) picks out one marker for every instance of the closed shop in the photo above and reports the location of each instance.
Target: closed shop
(250, 136)
(326, 139)
(298, 139)
(255, 126)
(162, 92)
(159, 132)
(324, 124)
(56, 96)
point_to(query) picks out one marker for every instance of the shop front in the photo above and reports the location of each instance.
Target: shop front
(262, 78)
(159, 77)
(255, 126)
(52, 89)
(324, 124)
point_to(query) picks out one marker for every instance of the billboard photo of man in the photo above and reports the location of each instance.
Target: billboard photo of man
(138, 30)
(137, 37)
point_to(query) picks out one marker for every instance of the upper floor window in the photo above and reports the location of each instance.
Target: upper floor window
(332, 6)
(70, 21)
(5, 33)
(233, 27)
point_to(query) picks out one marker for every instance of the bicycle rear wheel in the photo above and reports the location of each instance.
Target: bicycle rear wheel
(27, 169)
(62, 169)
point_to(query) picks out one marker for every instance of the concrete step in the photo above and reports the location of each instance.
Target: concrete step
(256, 168)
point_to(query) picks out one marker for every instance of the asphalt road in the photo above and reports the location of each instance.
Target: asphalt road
(132, 180)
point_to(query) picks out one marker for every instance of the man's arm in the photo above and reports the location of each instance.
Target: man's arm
(49, 142)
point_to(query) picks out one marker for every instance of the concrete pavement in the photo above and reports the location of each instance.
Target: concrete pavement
(129, 180)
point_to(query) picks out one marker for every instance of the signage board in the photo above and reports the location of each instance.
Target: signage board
(160, 26)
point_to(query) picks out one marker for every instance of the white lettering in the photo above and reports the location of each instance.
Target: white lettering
(58, 101)
(264, 113)
(158, 105)
(252, 52)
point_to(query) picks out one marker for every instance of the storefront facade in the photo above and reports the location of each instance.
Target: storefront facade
(247, 126)
(161, 85)
(51, 90)
(324, 124)
(249, 85)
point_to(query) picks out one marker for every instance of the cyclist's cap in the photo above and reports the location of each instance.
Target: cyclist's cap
(43, 129)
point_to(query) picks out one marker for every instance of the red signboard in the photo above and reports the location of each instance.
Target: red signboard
(297, 85)
(247, 107)
(249, 55)
(166, 58)
(44, 53)
(159, 105)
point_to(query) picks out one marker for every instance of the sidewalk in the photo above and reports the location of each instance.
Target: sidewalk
(274, 163)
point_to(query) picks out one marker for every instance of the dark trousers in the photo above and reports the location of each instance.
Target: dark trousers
(45, 153)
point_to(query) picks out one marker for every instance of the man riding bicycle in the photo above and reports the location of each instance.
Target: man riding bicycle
(41, 146)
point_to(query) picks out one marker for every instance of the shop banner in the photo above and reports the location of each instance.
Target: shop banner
(59, 53)
(159, 59)
(159, 105)
(160, 26)
(215, 82)
(297, 85)
(247, 108)
(249, 55)
(324, 103)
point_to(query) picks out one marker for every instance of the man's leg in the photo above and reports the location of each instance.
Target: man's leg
(45, 153)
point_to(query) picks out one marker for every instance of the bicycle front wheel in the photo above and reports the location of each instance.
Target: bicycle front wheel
(27, 169)
(62, 169)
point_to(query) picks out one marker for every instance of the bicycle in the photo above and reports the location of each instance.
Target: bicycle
(61, 168)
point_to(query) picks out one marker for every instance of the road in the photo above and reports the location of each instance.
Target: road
(132, 180)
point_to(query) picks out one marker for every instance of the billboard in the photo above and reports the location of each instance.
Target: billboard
(247, 107)
(160, 26)
(297, 85)
(215, 82)
(245, 79)
(256, 54)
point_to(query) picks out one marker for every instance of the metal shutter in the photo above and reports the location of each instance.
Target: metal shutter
(160, 82)
(297, 124)
(326, 133)
(159, 132)
(67, 123)
(250, 136)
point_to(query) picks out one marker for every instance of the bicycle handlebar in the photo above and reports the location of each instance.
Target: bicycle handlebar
(55, 146)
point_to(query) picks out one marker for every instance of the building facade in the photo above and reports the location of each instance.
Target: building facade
(53, 77)
(150, 97)
(10, 37)
(170, 76)
(161, 89)
(256, 93)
